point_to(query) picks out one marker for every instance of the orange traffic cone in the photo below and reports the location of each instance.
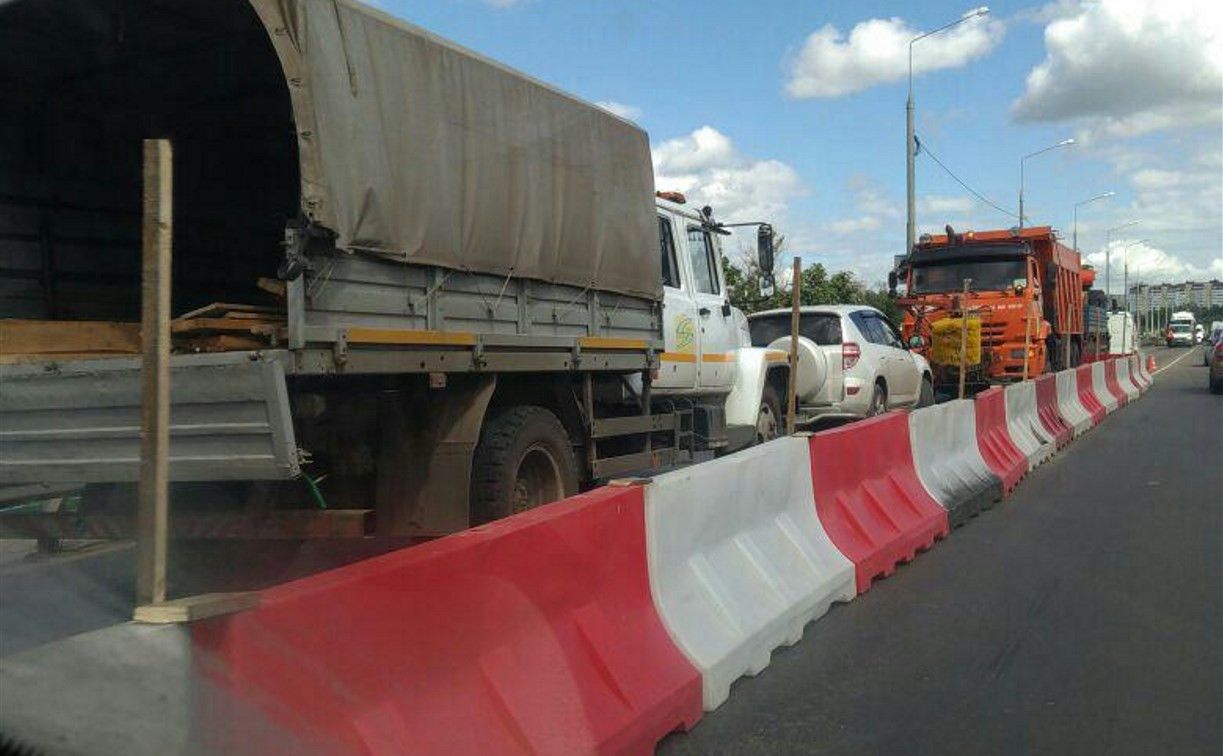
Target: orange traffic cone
(1150, 363)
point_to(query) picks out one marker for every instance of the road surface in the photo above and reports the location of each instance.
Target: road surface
(1082, 615)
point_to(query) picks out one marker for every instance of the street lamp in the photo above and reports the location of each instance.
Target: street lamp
(1063, 143)
(1125, 282)
(1075, 237)
(910, 139)
(1108, 249)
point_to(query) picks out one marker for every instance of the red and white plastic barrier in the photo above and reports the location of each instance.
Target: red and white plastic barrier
(537, 633)
(1070, 402)
(1125, 381)
(1091, 401)
(739, 562)
(1047, 409)
(1025, 427)
(1103, 392)
(869, 498)
(999, 451)
(948, 461)
(1113, 384)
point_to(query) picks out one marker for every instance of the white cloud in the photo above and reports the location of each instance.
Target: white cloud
(876, 52)
(1130, 66)
(943, 206)
(628, 112)
(1147, 263)
(706, 166)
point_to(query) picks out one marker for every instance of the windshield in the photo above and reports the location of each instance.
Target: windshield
(1181, 327)
(989, 274)
(822, 328)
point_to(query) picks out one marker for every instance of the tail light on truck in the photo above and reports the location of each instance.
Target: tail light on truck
(850, 352)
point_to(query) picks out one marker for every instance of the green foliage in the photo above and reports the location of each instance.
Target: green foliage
(818, 288)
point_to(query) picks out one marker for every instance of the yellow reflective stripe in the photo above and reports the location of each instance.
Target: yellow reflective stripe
(678, 357)
(600, 342)
(717, 357)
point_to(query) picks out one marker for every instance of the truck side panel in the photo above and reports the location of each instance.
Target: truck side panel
(80, 422)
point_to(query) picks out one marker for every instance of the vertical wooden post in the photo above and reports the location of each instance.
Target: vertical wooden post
(1027, 337)
(796, 287)
(964, 335)
(153, 519)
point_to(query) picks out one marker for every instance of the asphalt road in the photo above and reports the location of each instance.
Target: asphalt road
(1082, 615)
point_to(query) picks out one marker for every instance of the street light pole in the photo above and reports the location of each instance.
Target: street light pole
(911, 139)
(1125, 283)
(1063, 143)
(1108, 249)
(1075, 235)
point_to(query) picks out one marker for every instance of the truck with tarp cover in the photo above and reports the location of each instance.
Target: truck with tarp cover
(413, 289)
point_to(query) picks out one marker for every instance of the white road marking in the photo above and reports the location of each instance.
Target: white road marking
(1188, 352)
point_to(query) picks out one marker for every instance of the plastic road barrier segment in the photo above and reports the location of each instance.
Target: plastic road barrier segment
(1024, 426)
(739, 562)
(1123, 379)
(1087, 394)
(1070, 402)
(1144, 370)
(1049, 413)
(1112, 385)
(948, 461)
(869, 498)
(1001, 454)
(1139, 373)
(1099, 385)
(536, 634)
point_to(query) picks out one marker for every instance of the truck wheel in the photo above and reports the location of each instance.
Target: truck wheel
(524, 459)
(926, 397)
(768, 420)
(879, 401)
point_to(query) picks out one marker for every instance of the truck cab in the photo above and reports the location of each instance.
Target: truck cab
(708, 357)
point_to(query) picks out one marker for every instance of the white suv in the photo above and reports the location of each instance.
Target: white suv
(852, 361)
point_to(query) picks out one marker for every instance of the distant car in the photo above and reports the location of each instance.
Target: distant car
(1208, 344)
(1180, 334)
(1199, 333)
(1216, 368)
(852, 361)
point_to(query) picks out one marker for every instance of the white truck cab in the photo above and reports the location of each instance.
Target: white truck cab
(707, 348)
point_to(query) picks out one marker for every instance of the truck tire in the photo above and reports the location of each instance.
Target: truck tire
(926, 397)
(524, 459)
(768, 419)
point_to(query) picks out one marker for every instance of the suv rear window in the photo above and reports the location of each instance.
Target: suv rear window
(822, 328)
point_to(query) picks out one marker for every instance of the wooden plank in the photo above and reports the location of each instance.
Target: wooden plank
(154, 506)
(219, 309)
(227, 325)
(272, 286)
(64, 336)
(192, 608)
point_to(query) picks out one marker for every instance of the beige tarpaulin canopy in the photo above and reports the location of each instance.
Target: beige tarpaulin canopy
(418, 150)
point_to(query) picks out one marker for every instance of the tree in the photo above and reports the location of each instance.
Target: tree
(818, 288)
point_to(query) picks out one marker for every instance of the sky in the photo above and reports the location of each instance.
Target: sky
(794, 113)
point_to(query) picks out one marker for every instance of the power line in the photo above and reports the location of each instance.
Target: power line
(922, 148)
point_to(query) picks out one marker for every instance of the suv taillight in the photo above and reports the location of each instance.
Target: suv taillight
(1219, 349)
(849, 355)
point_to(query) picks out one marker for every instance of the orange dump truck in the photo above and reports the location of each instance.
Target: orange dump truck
(1024, 303)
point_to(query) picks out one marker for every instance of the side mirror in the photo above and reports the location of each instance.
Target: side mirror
(916, 342)
(764, 249)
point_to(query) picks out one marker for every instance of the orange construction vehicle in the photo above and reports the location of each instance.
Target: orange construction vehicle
(1024, 304)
